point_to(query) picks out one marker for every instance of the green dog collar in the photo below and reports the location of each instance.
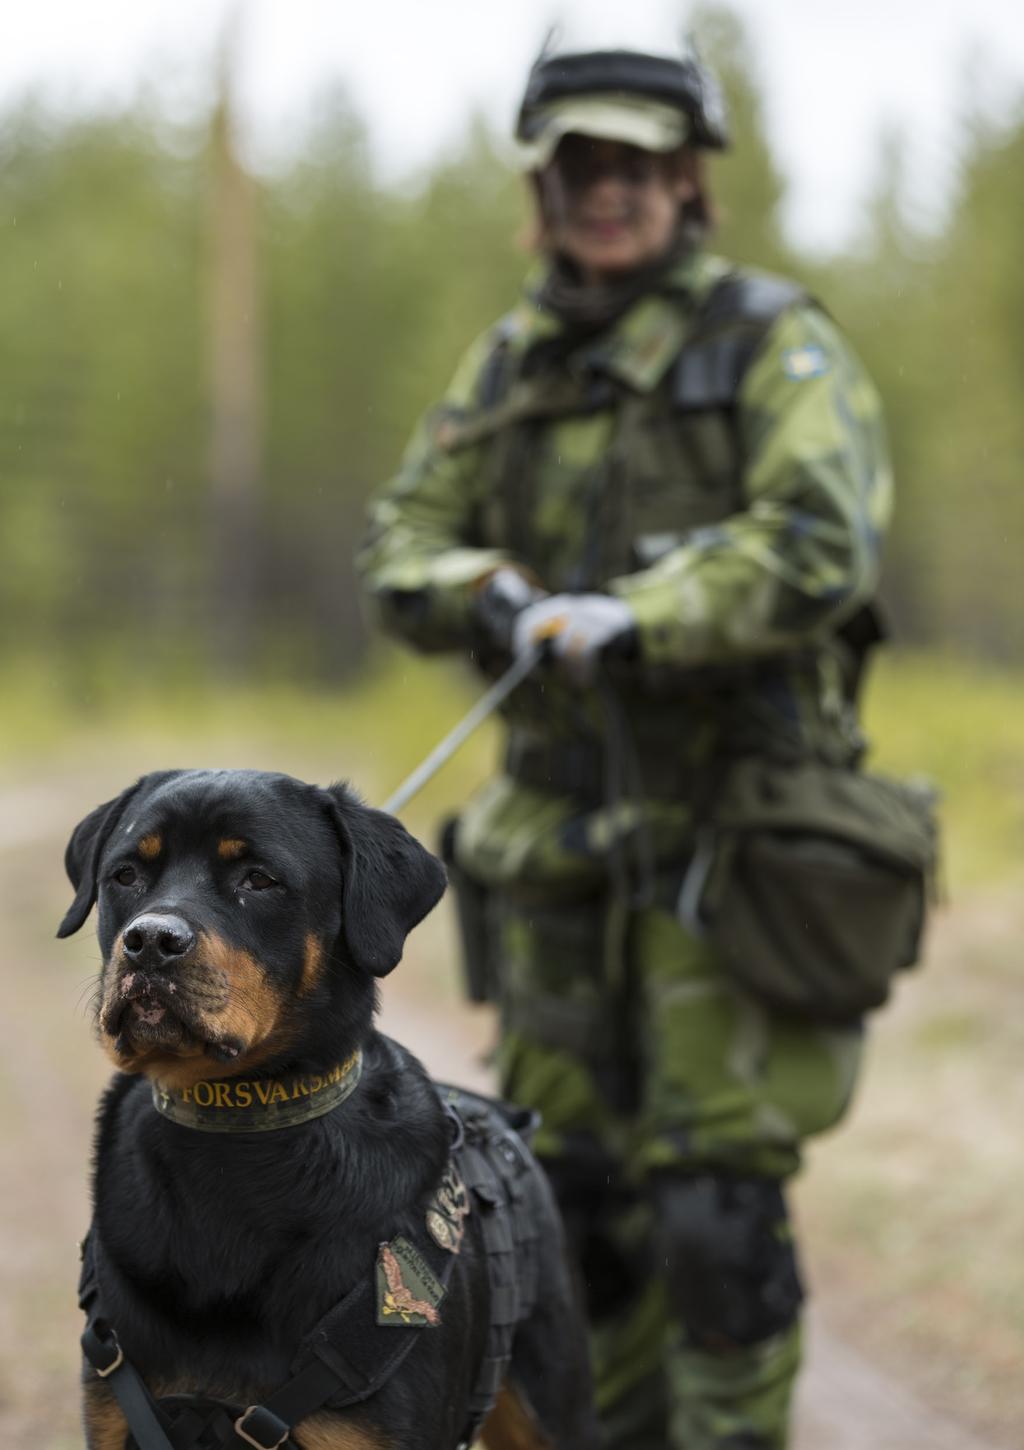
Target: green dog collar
(258, 1105)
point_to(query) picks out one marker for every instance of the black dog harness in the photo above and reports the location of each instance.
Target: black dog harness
(350, 1354)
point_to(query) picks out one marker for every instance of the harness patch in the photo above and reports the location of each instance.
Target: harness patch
(407, 1291)
(803, 363)
(448, 1210)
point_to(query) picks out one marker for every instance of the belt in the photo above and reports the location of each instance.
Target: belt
(580, 768)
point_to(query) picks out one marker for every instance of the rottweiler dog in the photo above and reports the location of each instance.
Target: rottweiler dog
(298, 1239)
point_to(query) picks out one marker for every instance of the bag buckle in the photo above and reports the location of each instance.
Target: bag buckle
(264, 1423)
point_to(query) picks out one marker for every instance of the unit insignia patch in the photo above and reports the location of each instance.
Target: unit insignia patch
(407, 1291)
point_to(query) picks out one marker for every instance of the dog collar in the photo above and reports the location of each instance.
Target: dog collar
(258, 1105)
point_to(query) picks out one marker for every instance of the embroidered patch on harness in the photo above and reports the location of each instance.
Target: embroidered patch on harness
(407, 1292)
(448, 1209)
(804, 363)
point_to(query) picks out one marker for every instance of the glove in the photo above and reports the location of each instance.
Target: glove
(579, 630)
(503, 596)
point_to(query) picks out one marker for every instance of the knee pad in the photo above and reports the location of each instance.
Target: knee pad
(731, 1264)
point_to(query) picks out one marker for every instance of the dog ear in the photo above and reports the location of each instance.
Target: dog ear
(82, 857)
(389, 881)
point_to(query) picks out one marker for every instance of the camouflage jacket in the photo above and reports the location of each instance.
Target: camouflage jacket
(742, 530)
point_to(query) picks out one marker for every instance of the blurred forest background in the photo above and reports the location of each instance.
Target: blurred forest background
(202, 374)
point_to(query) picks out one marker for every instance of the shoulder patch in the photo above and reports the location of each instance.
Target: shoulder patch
(407, 1291)
(447, 1210)
(803, 363)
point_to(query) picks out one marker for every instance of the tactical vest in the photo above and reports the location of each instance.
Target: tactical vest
(348, 1355)
(669, 462)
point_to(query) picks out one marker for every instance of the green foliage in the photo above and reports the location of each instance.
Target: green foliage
(100, 431)
(746, 182)
(368, 294)
(936, 316)
(958, 724)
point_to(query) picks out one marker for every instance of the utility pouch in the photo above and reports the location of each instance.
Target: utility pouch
(812, 880)
(472, 914)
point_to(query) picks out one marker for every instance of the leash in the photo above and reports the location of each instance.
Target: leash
(472, 720)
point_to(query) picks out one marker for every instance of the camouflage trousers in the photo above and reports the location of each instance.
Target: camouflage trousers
(649, 1068)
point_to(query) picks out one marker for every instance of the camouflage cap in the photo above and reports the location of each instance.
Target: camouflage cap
(635, 120)
(656, 102)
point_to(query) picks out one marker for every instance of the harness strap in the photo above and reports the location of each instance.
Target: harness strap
(101, 1349)
(373, 1353)
(268, 1425)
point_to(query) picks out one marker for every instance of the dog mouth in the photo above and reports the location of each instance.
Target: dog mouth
(143, 1013)
(147, 1012)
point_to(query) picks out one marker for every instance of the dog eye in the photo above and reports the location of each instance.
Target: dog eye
(258, 881)
(126, 875)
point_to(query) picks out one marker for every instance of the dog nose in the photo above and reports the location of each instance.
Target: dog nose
(158, 941)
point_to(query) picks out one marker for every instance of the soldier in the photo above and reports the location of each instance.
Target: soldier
(672, 472)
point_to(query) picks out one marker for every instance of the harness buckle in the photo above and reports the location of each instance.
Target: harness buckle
(264, 1422)
(101, 1348)
(116, 1362)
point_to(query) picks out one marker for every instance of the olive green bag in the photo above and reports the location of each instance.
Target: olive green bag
(813, 881)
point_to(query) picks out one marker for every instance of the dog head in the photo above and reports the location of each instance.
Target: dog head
(243, 918)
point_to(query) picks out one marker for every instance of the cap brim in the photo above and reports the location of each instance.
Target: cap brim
(646, 124)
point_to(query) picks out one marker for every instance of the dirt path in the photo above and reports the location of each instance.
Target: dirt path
(51, 1072)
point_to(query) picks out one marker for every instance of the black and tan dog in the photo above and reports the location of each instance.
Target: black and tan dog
(298, 1239)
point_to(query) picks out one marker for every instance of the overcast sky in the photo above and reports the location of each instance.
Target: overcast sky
(834, 72)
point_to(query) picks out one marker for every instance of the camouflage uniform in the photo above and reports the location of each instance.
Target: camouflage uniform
(742, 531)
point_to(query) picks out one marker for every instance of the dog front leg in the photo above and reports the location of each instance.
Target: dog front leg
(105, 1426)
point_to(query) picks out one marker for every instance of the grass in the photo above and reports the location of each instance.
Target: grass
(927, 714)
(373, 731)
(960, 725)
(955, 722)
